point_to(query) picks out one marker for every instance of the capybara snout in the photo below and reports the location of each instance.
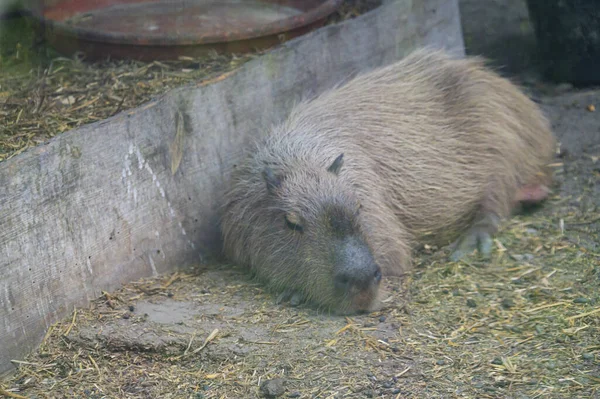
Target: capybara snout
(356, 269)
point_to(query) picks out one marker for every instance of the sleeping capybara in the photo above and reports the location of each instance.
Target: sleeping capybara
(430, 149)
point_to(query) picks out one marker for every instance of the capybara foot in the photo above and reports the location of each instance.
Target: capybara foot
(295, 298)
(479, 237)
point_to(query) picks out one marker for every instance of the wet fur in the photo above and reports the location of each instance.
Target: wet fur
(429, 143)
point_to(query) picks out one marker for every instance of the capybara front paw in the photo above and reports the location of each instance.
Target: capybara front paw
(295, 298)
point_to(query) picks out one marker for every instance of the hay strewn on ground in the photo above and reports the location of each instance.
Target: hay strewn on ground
(525, 325)
(43, 94)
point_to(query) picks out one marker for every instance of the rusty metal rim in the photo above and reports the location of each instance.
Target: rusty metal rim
(274, 28)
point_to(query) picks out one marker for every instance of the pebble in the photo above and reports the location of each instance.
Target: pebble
(382, 319)
(272, 388)
(440, 362)
(471, 303)
(526, 257)
(588, 356)
(508, 303)
(126, 316)
(581, 300)
(584, 381)
(294, 395)
(131, 308)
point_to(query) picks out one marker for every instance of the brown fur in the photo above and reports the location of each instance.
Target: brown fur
(430, 144)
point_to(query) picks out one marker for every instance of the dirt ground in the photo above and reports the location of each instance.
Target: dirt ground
(524, 325)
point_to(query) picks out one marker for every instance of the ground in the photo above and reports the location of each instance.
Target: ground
(523, 325)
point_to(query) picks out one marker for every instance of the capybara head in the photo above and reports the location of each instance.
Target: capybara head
(301, 233)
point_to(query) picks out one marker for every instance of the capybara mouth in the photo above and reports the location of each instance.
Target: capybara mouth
(363, 301)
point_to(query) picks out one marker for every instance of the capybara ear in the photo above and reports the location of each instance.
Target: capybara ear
(273, 182)
(336, 165)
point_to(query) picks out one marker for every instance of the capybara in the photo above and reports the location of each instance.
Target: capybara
(430, 149)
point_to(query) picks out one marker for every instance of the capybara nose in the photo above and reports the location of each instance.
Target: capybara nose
(361, 278)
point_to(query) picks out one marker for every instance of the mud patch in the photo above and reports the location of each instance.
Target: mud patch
(168, 312)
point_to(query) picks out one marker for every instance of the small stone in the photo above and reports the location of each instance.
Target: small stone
(581, 300)
(126, 316)
(471, 303)
(294, 395)
(445, 291)
(382, 319)
(396, 391)
(588, 356)
(170, 294)
(440, 362)
(508, 303)
(272, 388)
(131, 308)
(583, 381)
(550, 365)
(497, 361)
(563, 87)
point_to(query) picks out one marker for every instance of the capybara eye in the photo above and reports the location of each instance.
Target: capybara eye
(292, 220)
(377, 275)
